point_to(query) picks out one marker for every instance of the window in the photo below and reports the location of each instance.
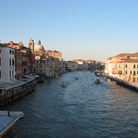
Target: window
(126, 72)
(126, 65)
(10, 51)
(134, 73)
(10, 61)
(0, 50)
(9, 74)
(12, 73)
(13, 62)
(0, 61)
(134, 79)
(134, 66)
(119, 72)
(0, 74)
(130, 72)
(119, 65)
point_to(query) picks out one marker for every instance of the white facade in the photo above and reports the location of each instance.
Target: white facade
(7, 64)
(109, 66)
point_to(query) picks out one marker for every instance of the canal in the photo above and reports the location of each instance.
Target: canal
(83, 109)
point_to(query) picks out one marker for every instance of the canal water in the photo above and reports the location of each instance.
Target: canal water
(83, 109)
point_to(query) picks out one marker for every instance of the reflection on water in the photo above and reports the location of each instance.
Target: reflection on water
(82, 109)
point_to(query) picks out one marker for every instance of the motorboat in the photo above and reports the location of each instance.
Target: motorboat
(97, 81)
(98, 73)
(64, 84)
(76, 78)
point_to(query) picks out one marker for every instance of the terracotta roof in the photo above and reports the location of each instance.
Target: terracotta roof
(127, 54)
(123, 55)
(53, 57)
(128, 60)
(2, 45)
(43, 58)
(52, 51)
(47, 51)
(12, 43)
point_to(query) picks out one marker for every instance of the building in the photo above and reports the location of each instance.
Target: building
(31, 45)
(24, 59)
(89, 65)
(7, 63)
(95, 65)
(123, 66)
(39, 49)
(42, 66)
(72, 66)
(127, 70)
(82, 64)
(64, 66)
(47, 62)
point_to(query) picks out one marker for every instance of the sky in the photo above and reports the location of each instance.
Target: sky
(79, 29)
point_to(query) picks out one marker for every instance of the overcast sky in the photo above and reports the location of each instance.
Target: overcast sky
(80, 29)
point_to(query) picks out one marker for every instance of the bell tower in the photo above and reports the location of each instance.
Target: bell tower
(31, 44)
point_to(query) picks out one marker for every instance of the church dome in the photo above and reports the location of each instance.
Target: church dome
(39, 47)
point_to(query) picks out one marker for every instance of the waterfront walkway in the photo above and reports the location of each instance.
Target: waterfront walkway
(10, 91)
(16, 83)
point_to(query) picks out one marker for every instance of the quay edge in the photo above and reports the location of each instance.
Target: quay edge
(14, 90)
(124, 84)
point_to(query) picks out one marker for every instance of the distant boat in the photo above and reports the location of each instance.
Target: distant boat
(99, 73)
(64, 84)
(76, 78)
(97, 81)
